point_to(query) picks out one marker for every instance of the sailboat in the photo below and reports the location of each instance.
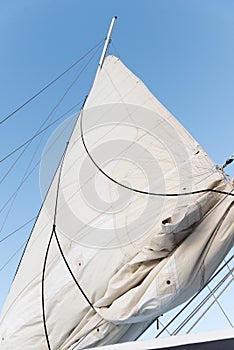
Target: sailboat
(135, 222)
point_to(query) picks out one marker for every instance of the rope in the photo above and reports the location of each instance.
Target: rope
(49, 84)
(27, 170)
(39, 132)
(218, 303)
(194, 297)
(21, 183)
(188, 318)
(16, 230)
(32, 138)
(12, 256)
(43, 291)
(141, 191)
(71, 273)
(47, 253)
(54, 233)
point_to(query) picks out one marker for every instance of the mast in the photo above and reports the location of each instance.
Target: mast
(107, 42)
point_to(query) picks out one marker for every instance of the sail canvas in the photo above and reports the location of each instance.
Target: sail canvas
(122, 236)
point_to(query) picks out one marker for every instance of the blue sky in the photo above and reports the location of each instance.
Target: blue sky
(182, 49)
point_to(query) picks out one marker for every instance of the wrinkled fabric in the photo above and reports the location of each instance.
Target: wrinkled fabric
(135, 256)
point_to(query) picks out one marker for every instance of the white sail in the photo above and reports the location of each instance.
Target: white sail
(134, 254)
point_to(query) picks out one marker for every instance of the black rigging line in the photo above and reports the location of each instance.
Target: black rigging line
(48, 117)
(35, 135)
(25, 247)
(202, 303)
(43, 290)
(39, 131)
(195, 295)
(25, 244)
(12, 256)
(71, 273)
(140, 191)
(19, 186)
(16, 230)
(17, 192)
(47, 253)
(21, 246)
(60, 100)
(23, 181)
(48, 85)
(54, 233)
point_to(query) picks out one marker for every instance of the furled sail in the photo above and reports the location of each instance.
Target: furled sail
(110, 251)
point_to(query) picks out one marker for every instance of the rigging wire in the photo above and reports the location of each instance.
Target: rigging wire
(70, 271)
(20, 185)
(213, 302)
(195, 295)
(14, 163)
(41, 206)
(54, 233)
(13, 197)
(17, 192)
(12, 256)
(60, 166)
(17, 229)
(25, 177)
(9, 260)
(216, 298)
(56, 106)
(40, 131)
(49, 84)
(161, 324)
(28, 175)
(141, 191)
(229, 268)
(202, 303)
(43, 291)
(18, 249)
(39, 209)
(35, 136)
(115, 48)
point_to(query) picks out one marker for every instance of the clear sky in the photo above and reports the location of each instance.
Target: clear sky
(182, 49)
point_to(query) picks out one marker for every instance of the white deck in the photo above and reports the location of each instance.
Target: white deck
(208, 341)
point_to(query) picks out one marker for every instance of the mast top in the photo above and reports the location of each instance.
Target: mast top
(107, 42)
